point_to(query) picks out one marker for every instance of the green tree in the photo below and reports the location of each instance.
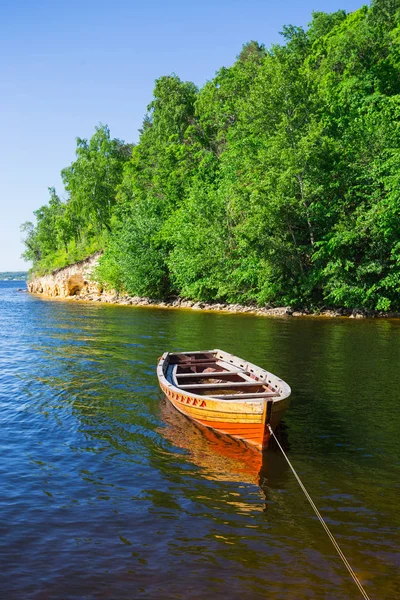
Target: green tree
(277, 182)
(92, 179)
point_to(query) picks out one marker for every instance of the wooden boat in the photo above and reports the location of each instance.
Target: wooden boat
(225, 393)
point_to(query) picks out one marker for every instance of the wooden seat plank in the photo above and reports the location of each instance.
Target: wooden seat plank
(213, 375)
(228, 384)
(245, 396)
(193, 363)
(194, 353)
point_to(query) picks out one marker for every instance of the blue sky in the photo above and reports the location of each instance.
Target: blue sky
(67, 66)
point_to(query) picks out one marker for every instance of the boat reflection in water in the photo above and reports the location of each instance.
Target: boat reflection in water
(221, 458)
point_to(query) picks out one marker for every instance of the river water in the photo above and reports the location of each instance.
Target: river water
(108, 493)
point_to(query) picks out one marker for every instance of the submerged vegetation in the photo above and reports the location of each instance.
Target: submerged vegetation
(277, 182)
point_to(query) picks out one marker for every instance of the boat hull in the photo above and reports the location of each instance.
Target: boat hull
(247, 420)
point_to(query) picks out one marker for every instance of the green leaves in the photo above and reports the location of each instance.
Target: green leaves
(93, 178)
(277, 182)
(70, 230)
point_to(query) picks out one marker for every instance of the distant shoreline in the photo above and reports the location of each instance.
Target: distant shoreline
(13, 275)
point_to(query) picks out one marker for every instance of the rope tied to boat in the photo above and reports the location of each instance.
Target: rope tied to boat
(321, 519)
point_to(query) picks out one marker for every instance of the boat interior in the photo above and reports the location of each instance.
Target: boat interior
(204, 373)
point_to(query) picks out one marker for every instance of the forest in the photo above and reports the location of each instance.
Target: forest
(277, 182)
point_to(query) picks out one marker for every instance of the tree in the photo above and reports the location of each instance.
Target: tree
(92, 180)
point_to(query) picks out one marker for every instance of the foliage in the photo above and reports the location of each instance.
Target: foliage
(68, 231)
(277, 182)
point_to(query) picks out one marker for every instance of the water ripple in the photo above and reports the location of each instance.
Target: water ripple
(109, 493)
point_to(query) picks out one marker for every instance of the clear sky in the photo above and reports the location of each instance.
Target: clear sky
(68, 65)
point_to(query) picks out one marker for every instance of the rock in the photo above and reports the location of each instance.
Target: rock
(357, 314)
(217, 306)
(198, 305)
(280, 311)
(74, 280)
(186, 304)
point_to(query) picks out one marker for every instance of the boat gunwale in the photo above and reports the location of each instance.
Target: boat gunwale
(285, 388)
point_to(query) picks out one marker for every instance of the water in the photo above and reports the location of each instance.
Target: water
(107, 493)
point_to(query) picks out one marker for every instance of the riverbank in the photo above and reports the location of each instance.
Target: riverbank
(77, 283)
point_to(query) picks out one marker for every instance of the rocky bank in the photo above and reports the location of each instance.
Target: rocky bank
(76, 282)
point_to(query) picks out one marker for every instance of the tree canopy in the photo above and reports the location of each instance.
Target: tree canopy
(276, 182)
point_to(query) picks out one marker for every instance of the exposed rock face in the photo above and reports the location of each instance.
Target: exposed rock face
(74, 280)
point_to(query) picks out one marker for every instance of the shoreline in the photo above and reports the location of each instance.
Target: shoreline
(76, 282)
(117, 299)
